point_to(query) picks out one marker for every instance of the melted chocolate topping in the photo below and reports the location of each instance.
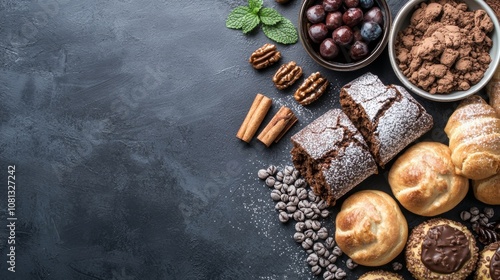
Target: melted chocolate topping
(495, 265)
(445, 249)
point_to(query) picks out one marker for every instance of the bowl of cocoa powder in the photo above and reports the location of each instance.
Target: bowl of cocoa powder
(445, 50)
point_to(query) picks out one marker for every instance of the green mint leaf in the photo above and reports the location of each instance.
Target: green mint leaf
(283, 32)
(250, 21)
(269, 16)
(236, 19)
(255, 5)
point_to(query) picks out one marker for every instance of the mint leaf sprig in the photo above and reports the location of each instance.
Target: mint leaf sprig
(275, 26)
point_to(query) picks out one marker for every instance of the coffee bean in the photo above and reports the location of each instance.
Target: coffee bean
(308, 223)
(331, 267)
(280, 206)
(291, 190)
(288, 179)
(350, 264)
(276, 195)
(340, 274)
(330, 242)
(337, 251)
(309, 251)
(308, 212)
(397, 266)
(300, 183)
(311, 195)
(319, 248)
(271, 170)
(323, 233)
(312, 259)
(489, 212)
(299, 237)
(284, 197)
(322, 205)
(289, 170)
(316, 270)
(307, 243)
(300, 226)
(327, 254)
(327, 275)
(279, 176)
(323, 262)
(474, 218)
(332, 258)
(284, 188)
(316, 225)
(474, 211)
(315, 208)
(283, 217)
(301, 193)
(483, 220)
(303, 204)
(325, 213)
(311, 234)
(465, 215)
(293, 200)
(262, 174)
(270, 181)
(299, 216)
(278, 185)
(290, 208)
(295, 174)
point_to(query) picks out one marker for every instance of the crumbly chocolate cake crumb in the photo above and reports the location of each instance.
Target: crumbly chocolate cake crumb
(388, 117)
(332, 155)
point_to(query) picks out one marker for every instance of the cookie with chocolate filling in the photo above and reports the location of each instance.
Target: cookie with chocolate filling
(332, 155)
(441, 249)
(488, 266)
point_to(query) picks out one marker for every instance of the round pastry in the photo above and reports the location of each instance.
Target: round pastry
(488, 266)
(370, 228)
(380, 275)
(487, 190)
(441, 249)
(424, 181)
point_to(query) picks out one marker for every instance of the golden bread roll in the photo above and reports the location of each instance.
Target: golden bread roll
(380, 275)
(423, 180)
(488, 266)
(493, 90)
(441, 249)
(487, 190)
(370, 228)
(474, 133)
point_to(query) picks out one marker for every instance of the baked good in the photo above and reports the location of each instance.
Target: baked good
(332, 155)
(370, 228)
(387, 116)
(493, 88)
(487, 190)
(474, 138)
(441, 249)
(380, 275)
(423, 179)
(488, 266)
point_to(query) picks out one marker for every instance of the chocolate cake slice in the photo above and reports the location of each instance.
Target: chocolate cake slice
(388, 117)
(332, 155)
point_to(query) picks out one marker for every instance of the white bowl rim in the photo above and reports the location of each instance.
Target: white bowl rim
(457, 95)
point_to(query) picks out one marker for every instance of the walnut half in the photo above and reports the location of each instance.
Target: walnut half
(287, 74)
(311, 89)
(264, 56)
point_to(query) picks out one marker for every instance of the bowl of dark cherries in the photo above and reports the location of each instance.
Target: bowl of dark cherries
(344, 35)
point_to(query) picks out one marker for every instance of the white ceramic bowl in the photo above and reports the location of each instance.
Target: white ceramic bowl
(402, 20)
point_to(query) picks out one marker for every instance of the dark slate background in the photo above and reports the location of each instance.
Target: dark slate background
(120, 117)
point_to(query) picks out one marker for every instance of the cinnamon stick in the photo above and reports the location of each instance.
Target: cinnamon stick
(281, 122)
(254, 118)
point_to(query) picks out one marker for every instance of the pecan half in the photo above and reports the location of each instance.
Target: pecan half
(311, 89)
(264, 56)
(287, 74)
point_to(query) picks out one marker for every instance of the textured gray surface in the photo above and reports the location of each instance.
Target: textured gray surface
(121, 116)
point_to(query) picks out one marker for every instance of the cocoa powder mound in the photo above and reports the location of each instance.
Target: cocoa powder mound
(445, 47)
